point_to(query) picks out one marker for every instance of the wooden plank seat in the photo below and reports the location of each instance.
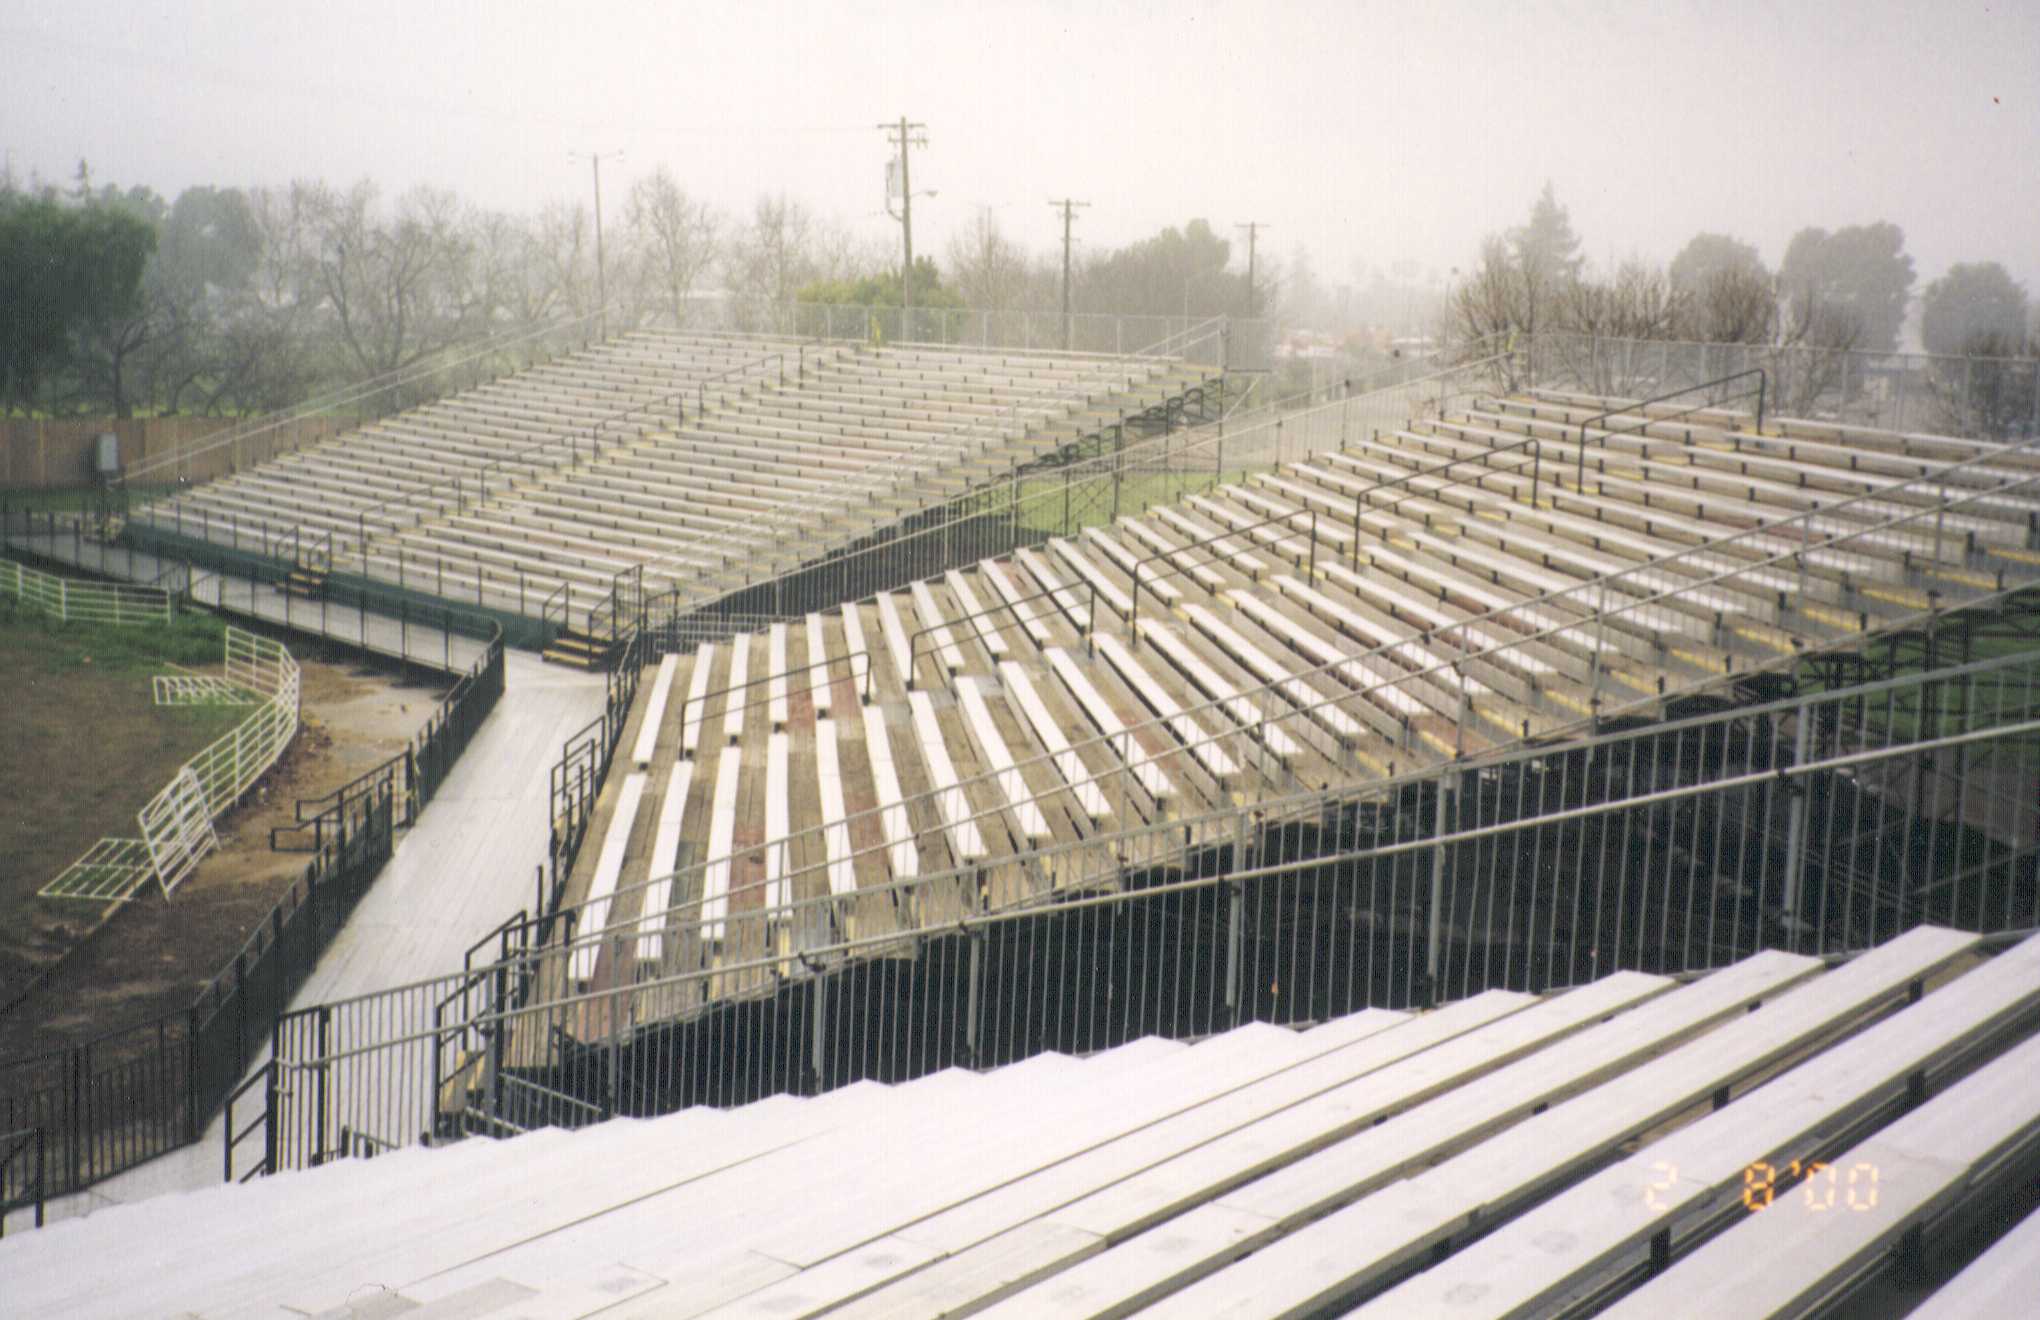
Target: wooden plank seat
(947, 797)
(1201, 745)
(1133, 753)
(658, 896)
(1181, 561)
(775, 653)
(976, 621)
(840, 867)
(936, 637)
(1130, 564)
(1076, 606)
(1048, 733)
(1777, 498)
(1016, 598)
(902, 853)
(722, 832)
(1710, 519)
(997, 756)
(1842, 466)
(608, 870)
(1208, 540)
(1310, 700)
(655, 711)
(693, 709)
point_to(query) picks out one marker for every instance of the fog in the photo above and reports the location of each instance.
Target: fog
(1368, 134)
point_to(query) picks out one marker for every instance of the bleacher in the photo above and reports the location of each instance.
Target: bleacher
(707, 460)
(1297, 628)
(1773, 1136)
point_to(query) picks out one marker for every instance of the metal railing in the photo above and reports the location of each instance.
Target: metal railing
(1606, 623)
(1821, 824)
(898, 473)
(24, 1177)
(466, 355)
(1712, 401)
(75, 601)
(1991, 398)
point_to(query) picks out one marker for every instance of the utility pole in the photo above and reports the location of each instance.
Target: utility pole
(1067, 206)
(1253, 227)
(601, 268)
(904, 135)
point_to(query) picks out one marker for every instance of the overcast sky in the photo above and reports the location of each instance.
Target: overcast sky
(1367, 132)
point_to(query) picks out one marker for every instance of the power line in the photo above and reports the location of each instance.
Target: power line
(903, 136)
(1067, 206)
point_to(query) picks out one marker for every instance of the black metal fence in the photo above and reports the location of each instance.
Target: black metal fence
(104, 1106)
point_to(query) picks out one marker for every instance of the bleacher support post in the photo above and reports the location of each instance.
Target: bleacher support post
(1433, 972)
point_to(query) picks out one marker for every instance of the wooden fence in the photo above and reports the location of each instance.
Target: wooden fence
(39, 454)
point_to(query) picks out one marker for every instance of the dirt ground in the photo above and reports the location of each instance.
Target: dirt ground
(153, 955)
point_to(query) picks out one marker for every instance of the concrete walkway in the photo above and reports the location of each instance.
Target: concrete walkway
(466, 865)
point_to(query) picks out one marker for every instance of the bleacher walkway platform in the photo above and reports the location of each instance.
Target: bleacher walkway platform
(1756, 1141)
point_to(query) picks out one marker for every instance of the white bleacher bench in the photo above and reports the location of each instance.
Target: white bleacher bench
(1789, 1258)
(952, 804)
(1384, 1232)
(835, 819)
(937, 629)
(1214, 758)
(1152, 577)
(1069, 601)
(1317, 705)
(694, 707)
(1115, 600)
(722, 837)
(983, 625)
(820, 680)
(776, 684)
(1016, 601)
(655, 712)
(1110, 726)
(1210, 547)
(1613, 1220)
(896, 639)
(1181, 561)
(901, 852)
(997, 757)
(1247, 713)
(651, 926)
(1067, 763)
(778, 822)
(853, 635)
(1364, 630)
(602, 887)
(738, 695)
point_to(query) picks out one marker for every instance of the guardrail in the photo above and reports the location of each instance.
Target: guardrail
(1601, 622)
(85, 602)
(1674, 849)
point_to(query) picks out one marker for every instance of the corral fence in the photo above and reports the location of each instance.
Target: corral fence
(1823, 823)
(1984, 398)
(108, 1104)
(74, 601)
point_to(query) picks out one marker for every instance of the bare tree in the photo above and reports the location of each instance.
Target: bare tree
(399, 290)
(673, 242)
(988, 269)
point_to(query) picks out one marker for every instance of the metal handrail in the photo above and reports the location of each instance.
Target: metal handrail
(1388, 651)
(1762, 383)
(353, 392)
(864, 696)
(265, 1077)
(914, 641)
(892, 474)
(29, 1138)
(2025, 722)
(1536, 452)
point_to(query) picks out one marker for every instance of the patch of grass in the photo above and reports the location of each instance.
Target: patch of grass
(86, 747)
(193, 640)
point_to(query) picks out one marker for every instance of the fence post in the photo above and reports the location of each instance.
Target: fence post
(1433, 973)
(74, 1098)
